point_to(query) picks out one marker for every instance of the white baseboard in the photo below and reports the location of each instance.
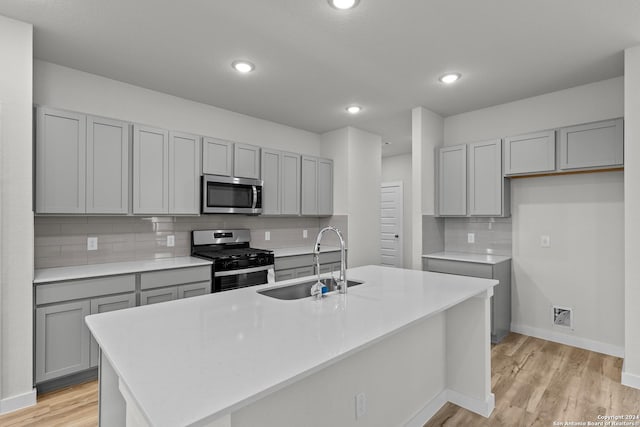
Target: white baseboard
(630, 380)
(559, 337)
(20, 401)
(480, 407)
(429, 410)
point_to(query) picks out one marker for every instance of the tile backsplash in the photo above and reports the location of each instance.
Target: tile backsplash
(62, 240)
(492, 235)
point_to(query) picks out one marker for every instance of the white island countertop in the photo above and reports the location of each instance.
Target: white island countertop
(56, 274)
(468, 257)
(211, 355)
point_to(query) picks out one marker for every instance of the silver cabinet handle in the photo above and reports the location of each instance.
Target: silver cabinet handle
(255, 196)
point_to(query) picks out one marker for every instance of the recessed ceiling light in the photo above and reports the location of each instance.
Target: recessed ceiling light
(344, 4)
(354, 109)
(243, 66)
(450, 78)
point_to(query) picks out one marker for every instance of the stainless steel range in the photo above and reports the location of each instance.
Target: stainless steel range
(235, 263)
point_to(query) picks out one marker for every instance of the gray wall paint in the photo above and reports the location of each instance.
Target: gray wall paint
(62, 240)
(492, 235)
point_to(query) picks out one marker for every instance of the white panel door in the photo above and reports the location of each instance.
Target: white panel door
(391, 224)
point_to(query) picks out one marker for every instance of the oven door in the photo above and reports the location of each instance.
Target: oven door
(223, 194)
(234, 279)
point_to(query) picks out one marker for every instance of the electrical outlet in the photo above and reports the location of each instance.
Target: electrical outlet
(92, 243)
(545, 241)
(267, 235)
(361, 405)
(171, 241)
(305, 234)
(471, 237)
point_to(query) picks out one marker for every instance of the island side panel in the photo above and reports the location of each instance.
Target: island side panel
(400, 376)
(112, 405)
(468, 352)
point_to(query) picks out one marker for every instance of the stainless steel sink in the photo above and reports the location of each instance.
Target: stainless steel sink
(302, 290)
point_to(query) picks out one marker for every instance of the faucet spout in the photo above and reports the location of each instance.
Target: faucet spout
(342, 281)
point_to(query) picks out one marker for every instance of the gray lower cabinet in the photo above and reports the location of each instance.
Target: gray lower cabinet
(62, 340)
(217, 156)
(168, 285)
(103, 305)
(530, 153)
(592, 145)
(154, 296)
(292, 267)
(246, 161)
(317, 186)
(194, 289)
(501, 299)
(452, 181)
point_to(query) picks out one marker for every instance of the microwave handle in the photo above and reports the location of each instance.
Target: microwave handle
(255, 197)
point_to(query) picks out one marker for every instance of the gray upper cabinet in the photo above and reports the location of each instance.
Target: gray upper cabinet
(217, 156)
(62, 340)
(452, 181)
(107, 188)
(325, 187)
(531, 153)
(592, 145)
(150, 170)
(184, 173)
(60, 161)
(290, 178)
(246, 161)
(309, 205)
(487, 195)
(281, 187)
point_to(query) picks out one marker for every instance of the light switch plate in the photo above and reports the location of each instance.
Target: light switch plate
(471, 237)
(92, 243)
(545, 241)
(361, 405)
(305, 234)
(171, 241)
(267, 235)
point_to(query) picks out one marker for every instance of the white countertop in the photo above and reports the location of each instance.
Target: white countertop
(467, 257)
(211, 355)
(301, 250)
(45, 275)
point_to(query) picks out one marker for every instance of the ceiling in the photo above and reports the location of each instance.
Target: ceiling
(313, 60)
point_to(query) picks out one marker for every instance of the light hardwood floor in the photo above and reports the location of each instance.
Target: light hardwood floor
(536, 382)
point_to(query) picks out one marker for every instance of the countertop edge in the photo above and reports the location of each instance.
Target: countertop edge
(468, 257)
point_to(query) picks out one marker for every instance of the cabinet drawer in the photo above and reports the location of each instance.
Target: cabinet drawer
(298, 261)
(304, 271)
(87, 288)
(194, 289)
(459, 267)
(158, 279)
(155, 296)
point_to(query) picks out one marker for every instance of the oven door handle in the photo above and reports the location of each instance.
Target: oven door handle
(241, 271)
(255, 196)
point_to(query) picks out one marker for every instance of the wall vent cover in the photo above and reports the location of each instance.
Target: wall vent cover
(563, 316)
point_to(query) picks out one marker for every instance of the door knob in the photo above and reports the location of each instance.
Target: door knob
(397, 236)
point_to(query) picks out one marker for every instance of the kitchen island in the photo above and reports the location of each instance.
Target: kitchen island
(391, 351)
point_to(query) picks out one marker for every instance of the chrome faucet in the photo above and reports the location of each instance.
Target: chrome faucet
(342, 280)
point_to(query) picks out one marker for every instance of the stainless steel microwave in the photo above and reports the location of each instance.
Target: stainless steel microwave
(231, 195)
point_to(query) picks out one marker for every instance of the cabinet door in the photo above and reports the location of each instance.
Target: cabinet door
(194, 289)
(485, 178)
(271, 169)
(184, 173)
(285, 274)
(60, 161)
(107, 166)
(534, 152)
(305, 271)
(62, 340)
(154, 296)
(592, 145)
(309, 177)
(325, 187)
(246, 161)
(150, 170)
(452, 180)
(290, 175)
(102, 305)
(217, 156)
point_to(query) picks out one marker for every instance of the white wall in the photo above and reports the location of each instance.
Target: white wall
(582, 214)
(398, 168)
(631, 369)
(16, 227)
(70, 89)
(334, 146)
